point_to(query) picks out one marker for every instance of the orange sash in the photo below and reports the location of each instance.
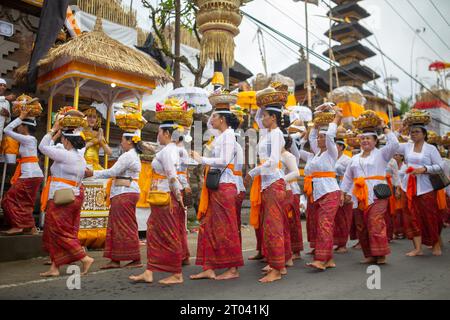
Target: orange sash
(204, 196)
(392, 197)
(237, 173)
(46, 191)
(256, 199)
(19, 167)
(411, 189)
(184, 173)
(441, 199)
(308, 182)
(361, 191)
(108, 189)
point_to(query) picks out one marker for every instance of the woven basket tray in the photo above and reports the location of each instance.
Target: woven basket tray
(422, 119)
(324, 118)
(183, 118)
(353, 142)
(130, 124)
(364, 123)
(279, 97)
(73, 122)
(223, 99)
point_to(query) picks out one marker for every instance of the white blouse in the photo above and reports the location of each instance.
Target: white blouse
(67, 164)
(374, 165)
(429, 157)
(392, 169)
(291, 172)
(165, 163)
(223, 154)
(183, 167)
(127, 165)
(342, 164)
(323, 162)
(28, 148)
(238, 165)
(4, 104)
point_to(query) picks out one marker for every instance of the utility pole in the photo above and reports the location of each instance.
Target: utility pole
(308, 67)
(176, 69)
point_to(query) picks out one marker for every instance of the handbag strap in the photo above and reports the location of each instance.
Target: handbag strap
(232, 159)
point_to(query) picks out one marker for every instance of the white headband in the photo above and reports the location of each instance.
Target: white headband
(2, 81)
(222, 112)
(368, 134)
(274, 109)
(75, 133)
(168, 125)
(29, 122)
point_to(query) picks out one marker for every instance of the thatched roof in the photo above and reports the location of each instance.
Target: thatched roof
(98, 49)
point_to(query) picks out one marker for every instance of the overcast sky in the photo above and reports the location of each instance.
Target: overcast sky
(394, 36)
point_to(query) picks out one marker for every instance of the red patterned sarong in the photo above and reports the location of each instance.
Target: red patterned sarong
(371, 228)
(353, 232)
(389, 223)
(18, 202)
(164, 240)
(295, 225)
(311, 223)
(122, 237)
(61, 231)
(239, 200)
(326, 208)
(183, 233)
(218, 244)
(275, 246)
(424, 219)
(342, 225)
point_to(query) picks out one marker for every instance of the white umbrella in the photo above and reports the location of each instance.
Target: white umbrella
(194, 96)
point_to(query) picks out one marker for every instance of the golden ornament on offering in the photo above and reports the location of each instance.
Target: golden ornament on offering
(323, 118)
(176, 110)
(72, 118)
(367, 120)
(221, 97)
(32, 105)
(445, 140)
(341, 132)
(416, 117)
(238, 112)
(130, 121)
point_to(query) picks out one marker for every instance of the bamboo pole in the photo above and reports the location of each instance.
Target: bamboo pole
(108, 127)
(49, 126)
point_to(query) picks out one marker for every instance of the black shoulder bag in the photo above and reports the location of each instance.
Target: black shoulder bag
(381, 190)
(439, 180)
(214, 175)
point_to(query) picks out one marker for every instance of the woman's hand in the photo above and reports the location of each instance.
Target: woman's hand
(341, 203)
(88, 173)
(417, 171)
(24, 111)
(398, 193)
(196, 156)
(56, 126)
(100, 135)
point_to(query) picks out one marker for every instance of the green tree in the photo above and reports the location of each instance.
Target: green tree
(405, 105)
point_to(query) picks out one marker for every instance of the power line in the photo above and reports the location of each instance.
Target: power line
(425, 20)
(320, 57)
(440, 13)
(413, 30)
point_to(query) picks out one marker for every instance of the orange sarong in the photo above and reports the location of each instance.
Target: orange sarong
(18, 171)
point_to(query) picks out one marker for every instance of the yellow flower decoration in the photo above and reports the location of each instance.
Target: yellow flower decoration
(136, 139)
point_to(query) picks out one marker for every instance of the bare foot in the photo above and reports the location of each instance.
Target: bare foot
(231, 273)
(134, 264)
(296, 256)
(268, 268)
(111, 265)
(330, 264)
(370, 260)
(257, 256)
(31, 231)
(437, 250)
(87, 263)
(319, 265)
(357, 246)
(12, 232)
(176, 278)
(52, 272)
(414, 253)
(289, 263)
(186, 262)
(381, 260)
(273, 275)
(207, 274)
(147, 277)
(341, 250)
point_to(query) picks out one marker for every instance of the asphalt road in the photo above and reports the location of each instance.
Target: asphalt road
(426, 277)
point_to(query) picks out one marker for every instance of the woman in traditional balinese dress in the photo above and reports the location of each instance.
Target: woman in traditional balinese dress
(392, 177)
(422, 221)
(122, 236)
(399, 232)
(290, 168)
(165, 249)
(183, 177)
(324, 189)
(62, 221)
(218, 245)
(343, 220)
(94, 139)
(18, 202)
(268, 192)
(366, 170)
